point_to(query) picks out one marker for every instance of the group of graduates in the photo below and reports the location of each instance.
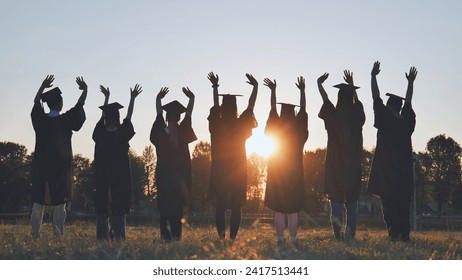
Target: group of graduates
(391, 176)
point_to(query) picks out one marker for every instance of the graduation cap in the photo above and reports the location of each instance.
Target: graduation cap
(394, 101)
(346, 87)
(287, 105)
(111, 111)
(395, 97)
(52, 97)
(287, 108)
(229, 98)
(174, 107)
(111, 107)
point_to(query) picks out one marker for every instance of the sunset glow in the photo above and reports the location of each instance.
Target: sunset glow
(260, 143)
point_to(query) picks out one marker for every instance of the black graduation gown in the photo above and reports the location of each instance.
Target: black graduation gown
(112, 168)
(173, 169)
(52, 162)
(228, 176)
(391, 173)
(285, 184)
(344, 151)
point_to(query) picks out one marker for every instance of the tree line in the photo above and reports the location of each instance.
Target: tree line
(438, 181)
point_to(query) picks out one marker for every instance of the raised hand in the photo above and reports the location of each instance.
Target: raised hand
(81, 83)
(135, 91)
(323, 78)
(412, 74)
(105, 91)
(213, 79)
(269, 83)
(188, 92)
(163, 91)
(348, 77)
(376, 68)
(48, 81)
(251, 80)
(300, 83)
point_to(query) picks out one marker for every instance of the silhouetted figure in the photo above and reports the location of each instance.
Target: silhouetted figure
(344, 124)
(285, 187)
(392, 176)
(52, 162)
(228, 133)
(173, 170)
(112, 167)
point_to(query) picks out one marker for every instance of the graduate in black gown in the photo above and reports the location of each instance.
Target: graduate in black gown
(344, 124)
(173, 170)
(52, 162)
(392, 177)
(285, 185)
(112, 167)
(229, 133)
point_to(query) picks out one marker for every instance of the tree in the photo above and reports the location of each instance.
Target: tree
(15, 177)
(138, 179)
(200, 165)
(149, 161)
(313, 164)
(256, 174)
(444, 168)
(83, 184)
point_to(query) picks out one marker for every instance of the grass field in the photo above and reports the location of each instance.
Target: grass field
(256, 241)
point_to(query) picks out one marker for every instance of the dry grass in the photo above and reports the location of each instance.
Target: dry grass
(253, 242)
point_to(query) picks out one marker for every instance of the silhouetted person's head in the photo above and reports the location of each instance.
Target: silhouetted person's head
(345, 97)
(53, 99)
(394, 102)
(229, 106)
(174, 110)
(287, 111)
(111, 115)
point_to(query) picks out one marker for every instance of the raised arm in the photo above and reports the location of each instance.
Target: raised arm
(106, 93)
(45, 84)
(133, 94)
(348, 77)
(374, 86)
(84, 88)
(410, 83)
(190, 95)
(214, 80)
(253, 96)
(272, 86)
(163, 91)
(301, 86)
(321, 89)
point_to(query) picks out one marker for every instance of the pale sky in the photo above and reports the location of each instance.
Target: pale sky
(177, 43)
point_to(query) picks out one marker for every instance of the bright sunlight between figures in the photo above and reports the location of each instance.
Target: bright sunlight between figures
(260, 143)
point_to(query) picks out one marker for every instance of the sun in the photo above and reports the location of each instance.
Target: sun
(260, 143)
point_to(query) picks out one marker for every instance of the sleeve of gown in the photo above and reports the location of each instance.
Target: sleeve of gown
(188, 132)
(37, 115)
(214, 118)
(380, 113)
(157, 127)
(326, 113)
(127, 129)
(248, 122)
(76, 117)
(359, 113)
(409, 115)
(271, 123)
(97, 131)
(302, 123)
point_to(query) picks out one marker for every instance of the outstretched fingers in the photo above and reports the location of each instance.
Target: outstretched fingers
(300, 82)
(323, 78)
